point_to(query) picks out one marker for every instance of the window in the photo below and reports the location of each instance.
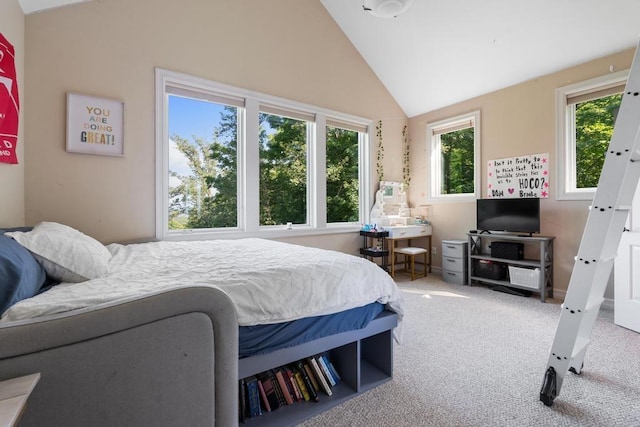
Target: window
(202, 187)
(233, 163)
(283, 166)
(342, 171)
(586, 114)
(283, 170)
(454, 158)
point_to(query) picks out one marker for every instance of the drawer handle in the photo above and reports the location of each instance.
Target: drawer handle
(451, 260)
(451, 274)
(451, 247)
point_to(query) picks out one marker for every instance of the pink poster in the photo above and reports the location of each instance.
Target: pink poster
(9, 103)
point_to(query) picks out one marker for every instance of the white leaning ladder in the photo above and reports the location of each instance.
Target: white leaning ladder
(598, 247)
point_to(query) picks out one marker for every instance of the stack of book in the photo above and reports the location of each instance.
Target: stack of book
(302, 381)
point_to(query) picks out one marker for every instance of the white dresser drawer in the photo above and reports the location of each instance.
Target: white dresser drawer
(454, 264)
(408, 231)
(454, 248)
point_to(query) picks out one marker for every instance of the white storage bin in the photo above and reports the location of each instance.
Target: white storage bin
(524, 276)
(454, 248)
(457, 277)
(454, 264)
(454, 261)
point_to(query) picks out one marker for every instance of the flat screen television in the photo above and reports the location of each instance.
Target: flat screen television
(511, 215)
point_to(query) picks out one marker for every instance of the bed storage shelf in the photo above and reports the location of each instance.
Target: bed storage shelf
(364, 359)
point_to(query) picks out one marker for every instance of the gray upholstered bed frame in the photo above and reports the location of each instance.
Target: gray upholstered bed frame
(169, 359)
(165, 359)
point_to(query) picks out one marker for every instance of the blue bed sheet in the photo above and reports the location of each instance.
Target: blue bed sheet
(261, 339)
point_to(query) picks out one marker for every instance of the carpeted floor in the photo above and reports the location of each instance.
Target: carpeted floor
(471, 356)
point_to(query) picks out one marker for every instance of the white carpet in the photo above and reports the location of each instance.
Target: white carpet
(474, 357)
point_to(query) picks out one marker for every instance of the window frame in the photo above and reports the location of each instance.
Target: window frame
(566, 185)
(309, 120)
(434, 154)
(364, 158)
(220, 99)
(248, 162)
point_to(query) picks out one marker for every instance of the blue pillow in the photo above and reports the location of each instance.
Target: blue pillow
(21, 276)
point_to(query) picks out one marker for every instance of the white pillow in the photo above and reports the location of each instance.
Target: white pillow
(66, 254)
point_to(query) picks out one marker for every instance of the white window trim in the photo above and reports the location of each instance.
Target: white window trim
(433, 159)
(565, 135)
(248, 176)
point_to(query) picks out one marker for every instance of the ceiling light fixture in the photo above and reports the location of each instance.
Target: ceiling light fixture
(386, 8)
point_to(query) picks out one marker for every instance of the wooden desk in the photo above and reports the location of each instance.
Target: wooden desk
(398, 234)
(13, 398)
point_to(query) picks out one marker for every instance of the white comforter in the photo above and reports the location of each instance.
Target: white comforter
(268, 281)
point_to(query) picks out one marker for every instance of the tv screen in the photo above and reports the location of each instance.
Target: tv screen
(513, 215)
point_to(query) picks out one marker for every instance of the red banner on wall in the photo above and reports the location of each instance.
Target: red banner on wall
(9, 103)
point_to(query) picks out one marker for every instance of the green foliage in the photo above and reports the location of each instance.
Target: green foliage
(380, 153)
(594, 128)
(186, 199)
(406, 172)
(457, 161)
(220, 206)
(208, 198)
(283, 171)
(342, 175)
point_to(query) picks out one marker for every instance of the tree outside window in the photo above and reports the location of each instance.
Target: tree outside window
(594, 128)
(585, 118)
(457, 161)
(454, 152)
(343, 195)
(236, 163)
(203, 172)
(283, 170)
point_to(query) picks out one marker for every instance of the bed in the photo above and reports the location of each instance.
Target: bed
(148, 333)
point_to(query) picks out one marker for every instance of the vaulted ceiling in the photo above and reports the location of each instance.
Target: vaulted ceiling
(440, 52)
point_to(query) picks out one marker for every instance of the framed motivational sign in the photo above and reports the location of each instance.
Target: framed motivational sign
(95, 125)
(521, 176)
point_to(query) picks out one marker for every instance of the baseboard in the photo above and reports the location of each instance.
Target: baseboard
(607, 304)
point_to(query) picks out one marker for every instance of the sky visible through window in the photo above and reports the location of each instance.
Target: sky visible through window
(188, 118)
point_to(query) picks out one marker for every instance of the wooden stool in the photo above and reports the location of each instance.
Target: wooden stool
(410, 256)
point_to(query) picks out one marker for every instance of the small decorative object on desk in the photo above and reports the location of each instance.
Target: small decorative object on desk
(372, 227)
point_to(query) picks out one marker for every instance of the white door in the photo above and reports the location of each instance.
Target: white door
(627, 272)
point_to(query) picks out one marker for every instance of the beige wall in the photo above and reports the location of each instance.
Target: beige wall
(12, 177)
(287, 48)
(110, 48)
(515, 121)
